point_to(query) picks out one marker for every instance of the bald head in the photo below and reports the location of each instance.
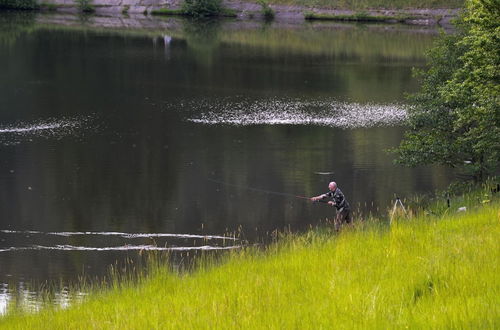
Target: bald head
(332, 186)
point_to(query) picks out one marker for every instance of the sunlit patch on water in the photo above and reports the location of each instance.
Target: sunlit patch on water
(296, 112)
(11, 134)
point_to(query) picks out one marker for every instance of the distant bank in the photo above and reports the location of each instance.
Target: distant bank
(424, 12)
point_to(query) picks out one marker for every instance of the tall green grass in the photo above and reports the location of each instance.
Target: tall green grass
(437, 270)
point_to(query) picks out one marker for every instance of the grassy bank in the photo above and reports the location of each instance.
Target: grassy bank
(373, 4)
(358, 17)
(224, 12)
(430, 271)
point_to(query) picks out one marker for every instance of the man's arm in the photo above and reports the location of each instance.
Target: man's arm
(321, 197)
(317, 198)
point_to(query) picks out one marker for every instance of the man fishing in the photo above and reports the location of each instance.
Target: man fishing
(336, 198)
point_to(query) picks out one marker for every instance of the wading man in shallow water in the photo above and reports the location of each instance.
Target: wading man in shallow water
(336, 198)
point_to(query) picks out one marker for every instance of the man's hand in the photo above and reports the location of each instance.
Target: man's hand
(331, 203)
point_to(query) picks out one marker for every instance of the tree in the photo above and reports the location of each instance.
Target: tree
(454, 119)
(202, 8)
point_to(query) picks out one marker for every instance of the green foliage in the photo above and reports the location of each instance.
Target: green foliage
(125, 9)
(455, 118)
(266, 10)
(48, 6)
(167, 12)
(202, 8)
(18, 4)
(197, 9)
(85, 6)
(228, 12)
(357, 17)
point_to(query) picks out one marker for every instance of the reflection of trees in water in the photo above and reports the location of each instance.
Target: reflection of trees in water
(202, 36)
(13, 25)
(202, 31)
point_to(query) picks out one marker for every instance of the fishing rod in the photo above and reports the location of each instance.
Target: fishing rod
(262, 190)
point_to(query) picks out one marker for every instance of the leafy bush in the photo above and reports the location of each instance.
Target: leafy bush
(125, 9)
(85, 6)
(48, 6)
(267, 11)
(18, 4)
(203, 8)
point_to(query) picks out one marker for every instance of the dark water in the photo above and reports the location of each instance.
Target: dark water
(162, 131)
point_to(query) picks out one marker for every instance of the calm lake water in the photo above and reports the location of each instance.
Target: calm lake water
(117, 140)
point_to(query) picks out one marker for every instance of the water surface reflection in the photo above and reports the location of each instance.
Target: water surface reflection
(141, 139)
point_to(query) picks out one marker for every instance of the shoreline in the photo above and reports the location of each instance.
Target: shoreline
(400, 271)
(249, 11)
(298, 14)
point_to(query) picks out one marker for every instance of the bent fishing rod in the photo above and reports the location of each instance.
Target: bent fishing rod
(264, 191)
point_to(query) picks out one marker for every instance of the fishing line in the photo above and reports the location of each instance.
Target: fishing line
(264, 191)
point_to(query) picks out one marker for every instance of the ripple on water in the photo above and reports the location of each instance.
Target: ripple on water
(53, 128)
(295, 112)
(129, 246)
(114, 233)
(67, 247)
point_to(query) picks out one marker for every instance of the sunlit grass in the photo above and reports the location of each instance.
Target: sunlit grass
(436, 269)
